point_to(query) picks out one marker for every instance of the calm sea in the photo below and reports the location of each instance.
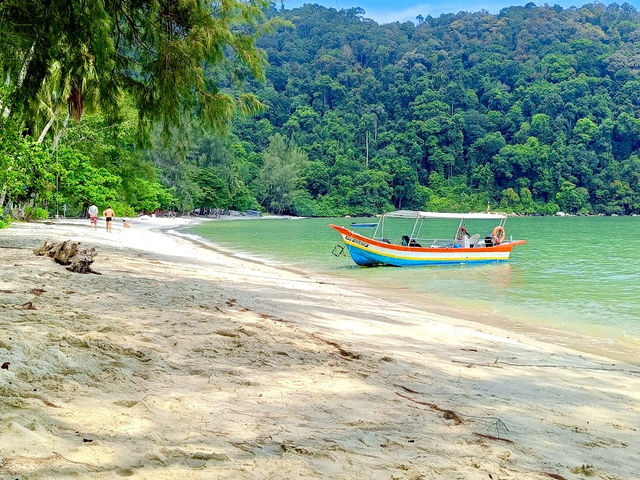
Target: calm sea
(580, 275)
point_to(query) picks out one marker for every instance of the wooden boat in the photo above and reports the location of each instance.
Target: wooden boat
(414, 249)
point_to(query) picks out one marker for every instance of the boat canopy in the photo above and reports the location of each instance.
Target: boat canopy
(459, 216)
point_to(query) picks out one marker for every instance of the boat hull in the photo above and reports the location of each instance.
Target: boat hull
(368, 252)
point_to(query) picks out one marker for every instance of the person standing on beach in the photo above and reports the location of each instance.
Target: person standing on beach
(109, 215)
(93, 216)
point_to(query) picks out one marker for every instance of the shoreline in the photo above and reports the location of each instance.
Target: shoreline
(185, 362)
(618, 349)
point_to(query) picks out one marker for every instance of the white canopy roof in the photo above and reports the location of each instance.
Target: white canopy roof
(466, 216)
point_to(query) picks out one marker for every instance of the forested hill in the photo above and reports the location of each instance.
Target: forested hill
(531, 110)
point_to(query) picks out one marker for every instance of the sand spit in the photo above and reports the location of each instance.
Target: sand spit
(179, 362)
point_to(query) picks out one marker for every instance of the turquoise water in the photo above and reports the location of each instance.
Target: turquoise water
(579, 274)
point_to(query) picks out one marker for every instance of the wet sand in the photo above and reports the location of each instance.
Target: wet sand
(181, 362)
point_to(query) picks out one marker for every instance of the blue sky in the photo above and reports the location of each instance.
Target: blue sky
(385, 11)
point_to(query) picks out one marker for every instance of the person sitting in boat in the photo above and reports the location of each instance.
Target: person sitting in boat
(488, 241)
(463, 236)
(409, 242)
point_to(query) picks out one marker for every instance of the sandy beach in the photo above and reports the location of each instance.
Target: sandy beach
(186, 362)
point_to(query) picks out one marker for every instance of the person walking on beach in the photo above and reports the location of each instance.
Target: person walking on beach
(109, 215)
(93, 216)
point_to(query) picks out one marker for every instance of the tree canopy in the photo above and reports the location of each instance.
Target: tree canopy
(173, 65)
(171, 57)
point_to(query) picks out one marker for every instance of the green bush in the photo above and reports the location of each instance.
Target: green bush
(4, 220)
(122, 209)
(35, 213)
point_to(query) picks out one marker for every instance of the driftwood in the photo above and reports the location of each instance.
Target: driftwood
(70, 254)
(342, 351)
(447, 414)
(491, 437)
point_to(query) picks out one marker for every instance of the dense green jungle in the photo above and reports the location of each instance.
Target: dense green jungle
(320, 112)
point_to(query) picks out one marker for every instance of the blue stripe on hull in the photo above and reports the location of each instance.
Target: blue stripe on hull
(366, 258)
(362, 258)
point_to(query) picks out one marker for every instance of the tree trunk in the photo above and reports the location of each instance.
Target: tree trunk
(6, 111)
(366, 141)
(56, 141)
(48, 125)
